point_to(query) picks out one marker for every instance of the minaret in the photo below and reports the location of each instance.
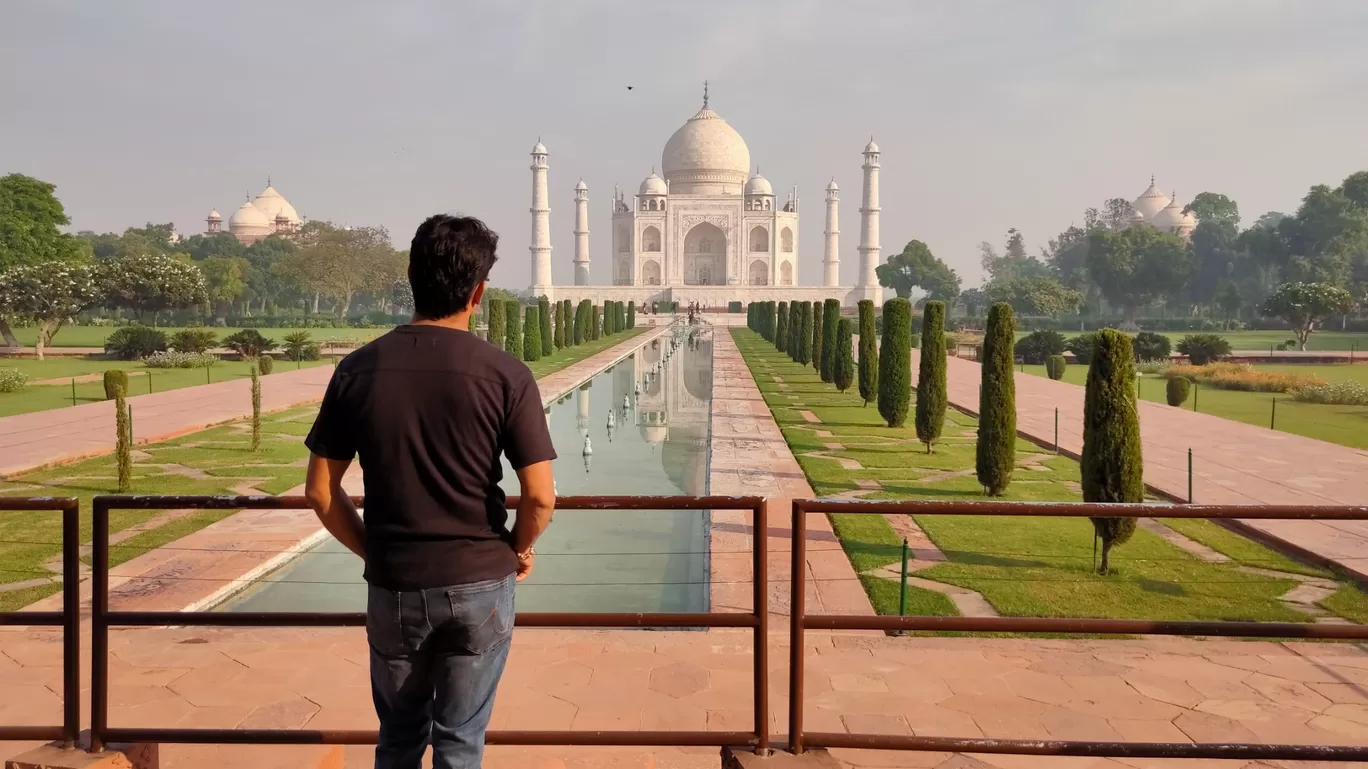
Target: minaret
(869, 217)
(541, 223)
(581, 234)
(831, 258)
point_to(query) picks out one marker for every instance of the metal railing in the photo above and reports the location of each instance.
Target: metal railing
(800, 622)
(102, 619)
(68, 619)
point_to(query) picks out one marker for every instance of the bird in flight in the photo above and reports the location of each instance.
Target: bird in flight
(629, 88)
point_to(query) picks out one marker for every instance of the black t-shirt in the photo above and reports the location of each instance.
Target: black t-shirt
(429, 410)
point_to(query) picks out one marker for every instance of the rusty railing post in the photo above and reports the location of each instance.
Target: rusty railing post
(798, 580)
(760, 586)
(99, 627)
(71, 623)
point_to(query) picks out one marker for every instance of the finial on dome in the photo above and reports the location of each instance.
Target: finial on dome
(705, 94)
(268, 180)
(1151, 180)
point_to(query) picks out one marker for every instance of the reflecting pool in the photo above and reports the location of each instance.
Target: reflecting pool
(588, 561)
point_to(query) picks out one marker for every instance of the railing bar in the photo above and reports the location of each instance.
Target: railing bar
(1088, 510)
(1233, 751)
(31, 733)
(263, 502)
(34, 618)
(1086, 626)
(369, 737)
(358, 619)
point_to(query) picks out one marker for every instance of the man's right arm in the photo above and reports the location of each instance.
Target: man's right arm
(535, 506)
(530, 450)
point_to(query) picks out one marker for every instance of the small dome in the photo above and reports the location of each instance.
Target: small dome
(1137, 218)
(1186, 223)
(653, 185)
(539, 148)
(871, 146)
(832, 186)
(215, 216)
(759, 185)
(249, 220)
(581, 185)
(1151, 201)
(1169, 218)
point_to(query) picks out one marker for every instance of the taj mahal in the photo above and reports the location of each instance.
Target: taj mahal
(706, 228)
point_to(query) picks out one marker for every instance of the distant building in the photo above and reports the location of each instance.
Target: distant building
(267, 214)
(1155, 209)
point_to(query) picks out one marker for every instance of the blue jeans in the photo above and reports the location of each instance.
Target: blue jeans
(436, 656)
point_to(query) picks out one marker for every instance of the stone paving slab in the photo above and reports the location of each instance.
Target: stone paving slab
(1233, 462)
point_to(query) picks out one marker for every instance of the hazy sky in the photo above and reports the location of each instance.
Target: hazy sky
(990, 114)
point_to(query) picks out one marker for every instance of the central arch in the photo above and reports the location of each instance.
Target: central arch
(705, 256)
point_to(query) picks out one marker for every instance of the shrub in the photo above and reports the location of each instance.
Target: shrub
(194, 340)
(512, 343)
(931, 389)
(1338, 394)
(843, 367)
(795, 324)
(115, 382)
(1150, 347)
(1111, 466)
(1055, 366)
(569, 323)
(134, 342)
(996, 447)
(818, 326)
(733, 307)
(1153, 368)
(179, 360)
(494, 322)
(249, 343)
(1241, 376)
(914, 340)
(544, 318)
(298, 345)
(1176, 390)
(1036, 346)
(265, 364)
(256, 405)
(1202, 349)
(123, 435)
(12, 380)
(1082, 347)
(781, 322)
(631, 314)
(581, 324)
(805, 334)
(869, 353)
(895, 362)
(532, 346)
(831, 316)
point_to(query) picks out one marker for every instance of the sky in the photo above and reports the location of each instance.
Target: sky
(990, 114)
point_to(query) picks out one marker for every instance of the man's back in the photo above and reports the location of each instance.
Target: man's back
(429, 410)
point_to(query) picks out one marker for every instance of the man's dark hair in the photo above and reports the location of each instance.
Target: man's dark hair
(449, 257)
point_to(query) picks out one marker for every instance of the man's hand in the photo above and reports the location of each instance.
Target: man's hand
(525, 563)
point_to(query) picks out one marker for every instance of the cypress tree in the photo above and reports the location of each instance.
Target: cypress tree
(607, 327)
(570, 340)
(1112, 466)
(781, 326)
(795, 324)
(805, 334)
(817, 326)
(544, 316)
(597, 318)
(750, 315)
(256, 409)
(895, 362)
(931, 388)
(513, 329)
(622, 316)
(532, 325)
(869, 353)
(558, 328)
(771, 320)
(631, 314)
(494, 316)
(996, 454)
(843, 367)
(577, 333)
(123, 440)
(831, 316)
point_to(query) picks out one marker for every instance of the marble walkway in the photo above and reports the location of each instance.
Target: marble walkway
(1233, 462)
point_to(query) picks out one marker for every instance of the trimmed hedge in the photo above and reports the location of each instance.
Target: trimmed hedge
(843, 367)
(831, 319)
(265, 364)
(818, 330)
(932, 396)
(631, 314)
(895, 362)
(1112, 466)
(513, 329)
(532, 343)
(115, 382)
(1055, 366)
(869, 353)
(544, 320)
(781, 326)
(1176, 390)
(805, 335)
(996, 448)
(795, 325)
(495, 318)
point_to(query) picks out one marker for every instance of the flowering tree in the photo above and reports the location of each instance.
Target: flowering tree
(151, 283)
(1305, 305)
(49, 293)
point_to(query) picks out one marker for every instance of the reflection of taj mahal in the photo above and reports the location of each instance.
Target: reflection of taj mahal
(709, 230)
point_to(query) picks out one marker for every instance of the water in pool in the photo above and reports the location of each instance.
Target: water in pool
(589, 561)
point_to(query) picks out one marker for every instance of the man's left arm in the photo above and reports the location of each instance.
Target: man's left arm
(332, 504)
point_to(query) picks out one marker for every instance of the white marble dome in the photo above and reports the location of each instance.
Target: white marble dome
(653, 185)
(249, 220)
(832, 187)
(759, 185)
(215, 215)
(1151, 202)
(706, 156)
(274, 205)
(1169, 218)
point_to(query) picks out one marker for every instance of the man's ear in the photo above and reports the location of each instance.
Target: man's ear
(477, 296)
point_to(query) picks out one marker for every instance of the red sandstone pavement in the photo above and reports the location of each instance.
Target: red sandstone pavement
(28, 441)
(1233, 462)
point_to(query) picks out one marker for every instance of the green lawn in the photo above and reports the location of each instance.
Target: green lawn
(1029, 566)
(94, 336)
(141, 380)
(561, 358)
(1345, 425)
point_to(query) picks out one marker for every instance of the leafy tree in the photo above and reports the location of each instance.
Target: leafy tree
(1228, 298)
(1013, 263)
(1306, 305)
(917, 267)
(1112, 466)
(843, 367)
(532, 326)
(401, 294)
(150, 283)
(30, 215)
(869, 353)
(225, 280)
(1214, 208)
(996, 448)
(299, 345)
(1150, 346)
(513, 344)
(340, 262)
(818, 326)
(1202, 349)
(1082, 347)
(1135, 266)
(1039, 345)
(895, 362)
(49, 294)
(805, 334)
(831, 316)
(781, 322)
(1116, 213)
(1037, 295)
(973, 300)
(932, 395)
(544, 317)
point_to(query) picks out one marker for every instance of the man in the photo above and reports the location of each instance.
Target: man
(429, 408)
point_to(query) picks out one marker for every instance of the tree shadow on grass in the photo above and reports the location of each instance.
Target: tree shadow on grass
(872, 551)
(1161, 587)
(968, 558)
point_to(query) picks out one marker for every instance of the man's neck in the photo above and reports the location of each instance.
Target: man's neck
(460, 321)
